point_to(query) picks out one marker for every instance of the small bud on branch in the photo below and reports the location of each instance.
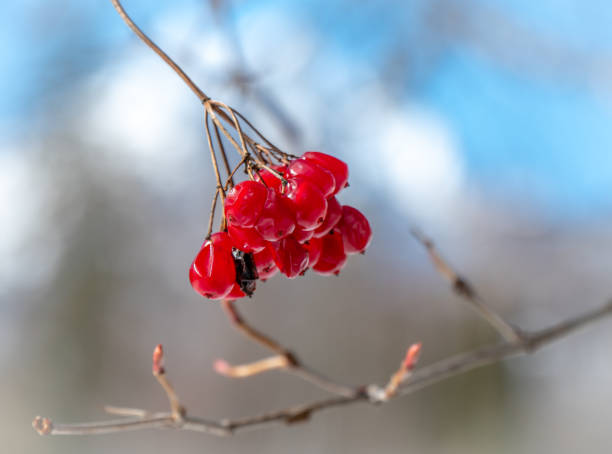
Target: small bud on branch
(158, 360)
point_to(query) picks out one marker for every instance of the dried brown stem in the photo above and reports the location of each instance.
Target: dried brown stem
(250, 369)
(293, 365)
(420, 378)
(464, 289)
(128, 20)
(230, 176)
(213, 157)
(159, 372)
(260, 338)
(212, 108)
(211, 219)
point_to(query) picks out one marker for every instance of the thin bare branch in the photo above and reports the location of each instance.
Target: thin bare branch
(464, 289)
(293, 365)
(420, 378)
(128, 20)
(248, 370)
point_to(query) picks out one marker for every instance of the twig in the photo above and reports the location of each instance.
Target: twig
(464, 289)
(237, 320)
(248, 370)
(211, 219)
(128, 20)
(420, 378)
(291, 364)
(159, 372)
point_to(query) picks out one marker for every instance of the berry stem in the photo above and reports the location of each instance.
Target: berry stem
(177, 69)
(211, 219)
(224, 156)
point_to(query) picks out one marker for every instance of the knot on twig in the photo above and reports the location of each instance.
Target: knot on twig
(43, 426)
(298, 417)
(463, 288)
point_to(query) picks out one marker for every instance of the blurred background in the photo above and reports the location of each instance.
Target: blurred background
(485, 123)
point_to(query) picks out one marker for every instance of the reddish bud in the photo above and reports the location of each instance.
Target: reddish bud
(158, 360)
(412, 357)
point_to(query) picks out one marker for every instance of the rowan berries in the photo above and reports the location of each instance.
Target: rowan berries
(287, 225)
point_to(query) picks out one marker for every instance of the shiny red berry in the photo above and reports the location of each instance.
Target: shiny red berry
(246, 239)
(276, 220)
(334, 213)
(264, 261)
(332, 258)
(212, 273)
(290, 257)
(315, 247)
(302, 236)
(309, 205)
(235, 293)
(338, 168)
(244, 202)
(355, 229)
(313, 172)
(271, 180)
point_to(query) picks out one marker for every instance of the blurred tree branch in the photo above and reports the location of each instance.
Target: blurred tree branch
(405, 381)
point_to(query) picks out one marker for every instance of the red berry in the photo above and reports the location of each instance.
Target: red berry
(315, 247)
(212, 273)
(235, 293)
(264, 261)
(308, 203)
(338, 168)
(355, 229)
(244, 202)
(301, 236)
(332, 257)
(334, 213)
(246, 239)
(276, 220)
(313, 172)
(271, 180)
(290, 257)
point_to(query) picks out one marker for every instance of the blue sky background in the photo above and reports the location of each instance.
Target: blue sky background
(535, 131)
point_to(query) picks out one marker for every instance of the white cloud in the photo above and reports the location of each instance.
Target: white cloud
(24, 202)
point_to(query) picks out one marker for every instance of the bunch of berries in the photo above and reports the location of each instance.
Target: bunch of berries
(284, 225)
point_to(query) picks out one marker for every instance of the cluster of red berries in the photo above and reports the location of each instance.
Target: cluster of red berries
(281, 225)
